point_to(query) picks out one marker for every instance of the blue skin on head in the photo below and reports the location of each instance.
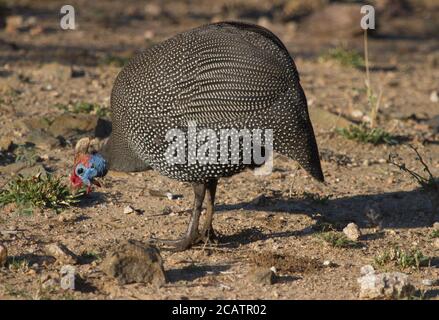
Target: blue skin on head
(96, 167)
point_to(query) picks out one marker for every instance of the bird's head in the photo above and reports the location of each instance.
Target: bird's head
(86, 169)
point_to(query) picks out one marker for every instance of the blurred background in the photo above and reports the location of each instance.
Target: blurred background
(30, 29)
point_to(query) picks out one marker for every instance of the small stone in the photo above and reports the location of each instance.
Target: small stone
(3, 255)
(434, 97)
(367, 269)
(68, 275)
(128, 210)
(133, 262)
(37, 170)
(429, 282)
(436, 243)
(357, 114)
(69, 125)
(393, 285)
(43, 140)
(352, 231)
(436, 226)
(328, 263)
(47, 87)
(61, 253)
(262, 276)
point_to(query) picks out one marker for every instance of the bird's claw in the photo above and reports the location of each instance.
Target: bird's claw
(176, 245)
(184, 243)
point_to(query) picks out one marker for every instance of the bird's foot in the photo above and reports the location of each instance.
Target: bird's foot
(180, 244)
(207, 236)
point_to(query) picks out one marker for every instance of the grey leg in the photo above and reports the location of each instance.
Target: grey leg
(192, 231)
(207, 233)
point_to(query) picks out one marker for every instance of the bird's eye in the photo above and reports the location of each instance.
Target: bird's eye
(80, 170)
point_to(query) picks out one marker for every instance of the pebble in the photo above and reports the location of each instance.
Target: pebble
(128, 210)
(328, 263)
(434, 97)
(352, 231)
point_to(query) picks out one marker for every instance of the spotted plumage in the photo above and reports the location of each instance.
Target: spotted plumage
(219, 76)
(223, 75)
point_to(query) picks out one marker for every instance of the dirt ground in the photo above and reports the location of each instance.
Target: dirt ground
(256, 217)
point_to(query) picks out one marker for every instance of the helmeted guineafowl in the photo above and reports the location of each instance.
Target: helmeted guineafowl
(226, 75)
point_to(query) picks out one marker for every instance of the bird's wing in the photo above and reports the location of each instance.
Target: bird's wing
(232, 74)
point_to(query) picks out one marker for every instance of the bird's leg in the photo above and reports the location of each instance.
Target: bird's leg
(192, 230)
(207, 233)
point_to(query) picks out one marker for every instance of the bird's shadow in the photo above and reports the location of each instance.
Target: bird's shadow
(402, 209)
(193, 272)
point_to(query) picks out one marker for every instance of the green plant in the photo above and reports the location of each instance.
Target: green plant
(429, 182)
(401, 258)
(338, 240)
(16, 264)
(365, 134)
(117, 61)
(38, 192)
(343, 56)
(434, 234)
(84, 107)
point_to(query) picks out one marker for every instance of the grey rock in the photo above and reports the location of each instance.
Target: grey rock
(69, 125)
(43, 139)
(33, 171)
(133, 262)
(68, 277)
(393, 285)
(262, 276)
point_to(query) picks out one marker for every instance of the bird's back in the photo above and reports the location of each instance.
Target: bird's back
(219, 76)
